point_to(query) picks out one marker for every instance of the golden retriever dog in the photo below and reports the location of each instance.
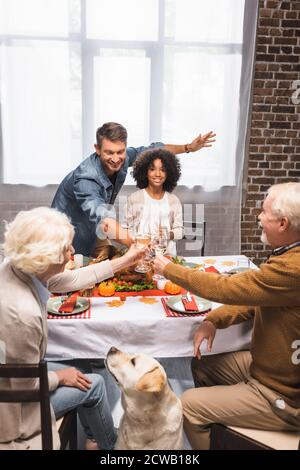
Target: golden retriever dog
(152, 416)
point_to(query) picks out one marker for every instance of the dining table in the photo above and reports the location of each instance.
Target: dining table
(136, 326)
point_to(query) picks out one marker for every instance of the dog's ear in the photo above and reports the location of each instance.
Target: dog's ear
(152, 381)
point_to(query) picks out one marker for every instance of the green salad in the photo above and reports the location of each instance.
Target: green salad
(123, 286)
(178, 260)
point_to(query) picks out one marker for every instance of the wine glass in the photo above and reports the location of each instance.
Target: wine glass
(142, 239)
(159, 245)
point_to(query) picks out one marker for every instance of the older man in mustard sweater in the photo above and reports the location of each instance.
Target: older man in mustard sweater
(259, 388)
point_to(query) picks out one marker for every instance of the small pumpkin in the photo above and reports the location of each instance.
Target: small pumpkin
(171, 288)
(106, 289)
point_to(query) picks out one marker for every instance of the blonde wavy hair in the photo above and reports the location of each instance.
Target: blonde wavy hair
(286, 202)
(37, 239)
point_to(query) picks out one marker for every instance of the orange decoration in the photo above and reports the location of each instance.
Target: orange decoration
(106, 289)
(115, 303)
(171, 288)
(228, 263)
(148, 300)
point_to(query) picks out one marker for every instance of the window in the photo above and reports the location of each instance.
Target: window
(166, 69)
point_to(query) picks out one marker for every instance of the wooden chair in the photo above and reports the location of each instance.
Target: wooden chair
(67, 425)
(236, 438)
(193, 240)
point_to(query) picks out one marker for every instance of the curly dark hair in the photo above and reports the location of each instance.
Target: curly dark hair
(170, 163)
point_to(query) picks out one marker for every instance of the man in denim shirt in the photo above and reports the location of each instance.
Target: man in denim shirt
(87, 194)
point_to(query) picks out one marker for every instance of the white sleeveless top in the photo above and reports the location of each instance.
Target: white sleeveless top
(155, 214)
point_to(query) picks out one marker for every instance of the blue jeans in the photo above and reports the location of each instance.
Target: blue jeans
(92, 407)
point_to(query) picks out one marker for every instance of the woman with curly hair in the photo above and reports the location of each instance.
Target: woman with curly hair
(153, 208)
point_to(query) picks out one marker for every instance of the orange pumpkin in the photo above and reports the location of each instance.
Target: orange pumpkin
(171, 288)
(106, 289)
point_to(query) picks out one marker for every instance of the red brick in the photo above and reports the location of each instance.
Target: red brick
(291, 15)
(269, 22)
(257, 140)
(277, 135)
(270, 100)
(257, 157)
(280, 125)
(290, 24)
(276, 164)
(277, 157)
(287, 58)
(292, 134)
(265, 13)
(274, 172)
(271, 4)
(276, 141)
(289, 165)
(288, 32)
(285, 41)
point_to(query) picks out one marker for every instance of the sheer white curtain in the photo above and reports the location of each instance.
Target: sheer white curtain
(166, 69)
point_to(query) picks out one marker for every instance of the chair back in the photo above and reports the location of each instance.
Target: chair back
(26, 396)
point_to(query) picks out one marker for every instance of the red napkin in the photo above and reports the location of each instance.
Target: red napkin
(211, 269)
(68, 305)
(171, 313)
(189, 305)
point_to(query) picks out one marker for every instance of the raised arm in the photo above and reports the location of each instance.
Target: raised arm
(198, 143)
(264, 287)
(85, 277)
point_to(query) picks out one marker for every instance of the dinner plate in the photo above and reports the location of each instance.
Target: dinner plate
(54, 303)
(191, 265)
(176, 304)
(238, 269)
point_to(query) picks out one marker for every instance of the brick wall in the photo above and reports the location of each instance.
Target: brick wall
(274, 153)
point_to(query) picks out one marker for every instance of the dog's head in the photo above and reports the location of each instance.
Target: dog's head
(139, 372)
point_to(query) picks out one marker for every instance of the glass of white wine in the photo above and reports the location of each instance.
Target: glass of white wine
(142, 239)
(159, 245)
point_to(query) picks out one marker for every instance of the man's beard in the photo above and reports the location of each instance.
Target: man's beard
(264, 239)
(263, 236)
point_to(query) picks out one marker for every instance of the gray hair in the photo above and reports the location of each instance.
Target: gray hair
(37, 239)
(286, 202)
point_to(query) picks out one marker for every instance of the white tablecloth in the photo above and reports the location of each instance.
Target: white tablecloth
(137, 327)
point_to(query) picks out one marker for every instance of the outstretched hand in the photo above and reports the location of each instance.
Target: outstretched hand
(201, 141)
(207, 331)
(135, 253)
(159, 264)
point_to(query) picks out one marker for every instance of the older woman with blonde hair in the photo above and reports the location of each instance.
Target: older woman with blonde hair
(37, 246)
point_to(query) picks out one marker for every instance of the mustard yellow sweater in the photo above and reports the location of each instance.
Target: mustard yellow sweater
(271, 296)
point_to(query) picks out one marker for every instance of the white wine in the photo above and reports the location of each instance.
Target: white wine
(142, 240)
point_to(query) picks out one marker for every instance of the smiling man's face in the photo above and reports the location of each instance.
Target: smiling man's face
(112, 155)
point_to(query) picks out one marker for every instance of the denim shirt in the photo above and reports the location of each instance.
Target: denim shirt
(87, 196)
